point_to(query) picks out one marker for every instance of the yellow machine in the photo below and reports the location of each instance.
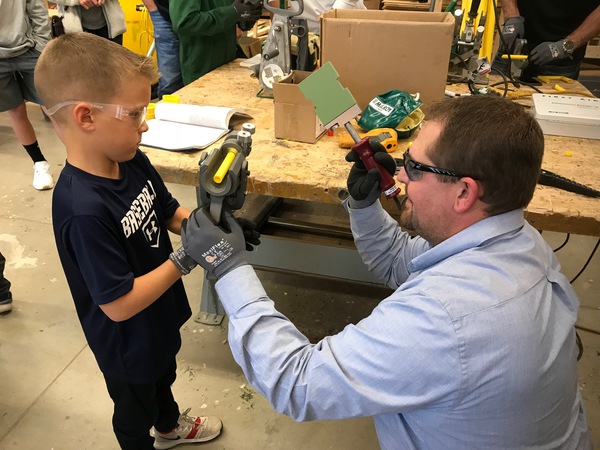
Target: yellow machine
(139, 36)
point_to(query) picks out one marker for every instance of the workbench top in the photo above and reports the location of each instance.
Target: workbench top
(318, 172)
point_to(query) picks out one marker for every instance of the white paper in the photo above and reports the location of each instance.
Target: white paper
(185, 127)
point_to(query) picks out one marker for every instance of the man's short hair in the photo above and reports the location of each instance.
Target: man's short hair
(83, 66)
(493, 140)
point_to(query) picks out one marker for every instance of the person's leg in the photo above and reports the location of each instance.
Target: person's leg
(135, 411)
(16, 86)
(5, 294)
(167, 54)
(171, 427)
(168, 410)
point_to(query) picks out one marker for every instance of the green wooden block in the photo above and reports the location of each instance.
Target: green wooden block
(323, 89)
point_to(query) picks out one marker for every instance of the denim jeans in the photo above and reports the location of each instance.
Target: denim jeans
(167, 53)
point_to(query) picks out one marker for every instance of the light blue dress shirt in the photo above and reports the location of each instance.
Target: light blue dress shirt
(475, 349)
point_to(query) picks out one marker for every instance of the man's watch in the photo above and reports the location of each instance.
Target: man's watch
(568, 46)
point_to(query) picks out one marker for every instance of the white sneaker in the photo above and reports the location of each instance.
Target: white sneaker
(42, 178)
(189, 431)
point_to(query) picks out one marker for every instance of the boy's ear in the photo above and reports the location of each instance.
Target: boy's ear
(82, 113)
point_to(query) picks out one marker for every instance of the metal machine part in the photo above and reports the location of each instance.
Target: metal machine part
(224, 173)
(275, 62)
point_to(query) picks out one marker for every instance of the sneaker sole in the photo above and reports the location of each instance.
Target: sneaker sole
(170, 444)
(4, 309)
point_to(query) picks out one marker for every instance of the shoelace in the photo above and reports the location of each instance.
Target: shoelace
(188, 423)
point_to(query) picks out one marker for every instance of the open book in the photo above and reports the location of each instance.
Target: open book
(187, 127)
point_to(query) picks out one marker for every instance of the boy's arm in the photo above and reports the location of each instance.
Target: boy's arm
(174, 223)
(146, 289)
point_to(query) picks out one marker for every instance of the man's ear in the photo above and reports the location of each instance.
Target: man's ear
(82, 113)
(468, 192)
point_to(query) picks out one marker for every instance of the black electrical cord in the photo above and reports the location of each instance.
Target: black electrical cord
(587, 262)
(563, 244)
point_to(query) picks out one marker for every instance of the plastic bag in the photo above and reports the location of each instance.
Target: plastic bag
(394, 109)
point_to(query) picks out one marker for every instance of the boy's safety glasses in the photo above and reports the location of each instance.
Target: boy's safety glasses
(137, 114)
(414, 170)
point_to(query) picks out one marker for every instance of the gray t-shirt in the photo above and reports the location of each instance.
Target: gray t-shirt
(93, 18)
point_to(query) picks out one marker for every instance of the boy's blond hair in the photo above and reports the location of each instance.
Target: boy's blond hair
(86, 67)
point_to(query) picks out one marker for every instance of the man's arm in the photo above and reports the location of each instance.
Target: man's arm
(381, 365)
(189, 19)
(587, 30)
(510, 9)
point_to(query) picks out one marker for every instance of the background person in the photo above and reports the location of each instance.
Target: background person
(24, 32)
(557, 33)
(476, 347)
(167, 47)
(208, 32)
(104, 18)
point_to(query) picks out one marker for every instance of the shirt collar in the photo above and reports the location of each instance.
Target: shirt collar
(470, 237)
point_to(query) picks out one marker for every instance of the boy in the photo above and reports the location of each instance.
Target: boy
(111, 212)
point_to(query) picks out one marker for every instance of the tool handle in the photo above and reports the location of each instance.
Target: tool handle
(387, 184)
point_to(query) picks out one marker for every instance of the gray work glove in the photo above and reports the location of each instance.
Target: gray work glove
(363, 184)
(218, 249)
(249, 11)
(547, 52)
(513, 28)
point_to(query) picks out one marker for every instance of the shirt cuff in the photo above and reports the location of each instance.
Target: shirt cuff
(238, 288)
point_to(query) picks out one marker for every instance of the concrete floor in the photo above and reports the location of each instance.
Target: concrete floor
(52, 395)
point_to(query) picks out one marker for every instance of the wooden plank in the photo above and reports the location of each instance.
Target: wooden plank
(318, 172)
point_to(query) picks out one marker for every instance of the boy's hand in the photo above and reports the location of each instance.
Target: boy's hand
(215, 248)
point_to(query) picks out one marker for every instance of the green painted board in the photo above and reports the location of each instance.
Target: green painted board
(328, 95)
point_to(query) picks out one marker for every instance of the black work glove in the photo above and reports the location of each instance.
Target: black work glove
(547, 52)
(249, 11)
(363, 184)
(218, 249)
(251, 234)
(513, 28)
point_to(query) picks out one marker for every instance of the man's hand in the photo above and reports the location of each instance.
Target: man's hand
(251, 234)
(513, 28)
(216, 249)
(248, 13)
(547, 52)
(363, 184)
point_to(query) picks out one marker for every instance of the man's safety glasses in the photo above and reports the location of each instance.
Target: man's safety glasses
(414, 170)
(136, 114)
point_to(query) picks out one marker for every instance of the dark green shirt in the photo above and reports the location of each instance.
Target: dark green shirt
(206, 30)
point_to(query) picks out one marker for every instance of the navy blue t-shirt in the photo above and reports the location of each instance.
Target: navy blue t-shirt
(109, 232)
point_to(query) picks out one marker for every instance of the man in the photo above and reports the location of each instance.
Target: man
(476, 346)
(24, 31)
(556, 31)
(208, 34)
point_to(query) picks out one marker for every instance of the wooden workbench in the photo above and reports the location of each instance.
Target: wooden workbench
(318, 172)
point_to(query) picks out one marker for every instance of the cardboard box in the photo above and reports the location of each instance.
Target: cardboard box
(565, 115)
(377, 51)
(372, 4)
(295, 117)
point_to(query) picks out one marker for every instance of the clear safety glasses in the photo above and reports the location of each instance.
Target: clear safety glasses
(137, 114)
